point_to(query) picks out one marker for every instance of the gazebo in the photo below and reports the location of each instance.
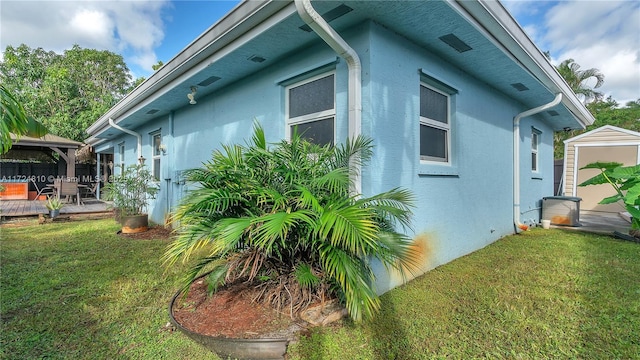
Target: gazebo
(32, 160)
(45, 145)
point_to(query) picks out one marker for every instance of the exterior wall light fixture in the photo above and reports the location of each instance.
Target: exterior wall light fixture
(192, 95)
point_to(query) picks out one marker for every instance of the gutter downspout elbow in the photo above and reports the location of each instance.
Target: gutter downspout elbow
(131, 132)
(337, 43)
(516, 158)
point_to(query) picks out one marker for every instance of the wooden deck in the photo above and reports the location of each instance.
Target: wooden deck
(18, 208)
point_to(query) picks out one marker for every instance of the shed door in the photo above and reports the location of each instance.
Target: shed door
(591, 195)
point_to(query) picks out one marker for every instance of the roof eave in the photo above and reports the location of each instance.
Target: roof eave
(234, 24)
(495, 21)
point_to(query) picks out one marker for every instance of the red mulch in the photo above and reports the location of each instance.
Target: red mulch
(231, 313)
(157, 232)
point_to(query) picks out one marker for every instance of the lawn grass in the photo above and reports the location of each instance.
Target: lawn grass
(77, 290)
(544, 294)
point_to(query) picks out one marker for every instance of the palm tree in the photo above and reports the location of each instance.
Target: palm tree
(14, 120)
(282, 219)
(577, 79)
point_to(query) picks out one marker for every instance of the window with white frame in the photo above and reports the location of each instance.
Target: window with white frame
(435, 125)
(156, 140)
(121, 157)
(310, 109)
(535, 142)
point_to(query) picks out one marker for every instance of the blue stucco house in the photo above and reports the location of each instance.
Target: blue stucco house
(462, 107)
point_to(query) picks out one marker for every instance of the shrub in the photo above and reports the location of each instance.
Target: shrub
(131, 190)
(283, 219)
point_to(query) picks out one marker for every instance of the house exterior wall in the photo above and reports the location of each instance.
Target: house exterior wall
(466, 205)
(459, 207)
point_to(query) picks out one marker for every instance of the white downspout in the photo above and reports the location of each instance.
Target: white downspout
(337, 43)
(98, 175)
(516, 158)
(138, 136)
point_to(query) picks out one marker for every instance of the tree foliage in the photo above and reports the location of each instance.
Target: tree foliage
(67, 92)
(606, 112)
(14, 120)
(578, 80)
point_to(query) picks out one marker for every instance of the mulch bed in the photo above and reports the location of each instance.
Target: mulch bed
(156, 232)
(231, 313)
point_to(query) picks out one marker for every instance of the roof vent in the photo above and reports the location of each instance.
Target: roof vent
(520, 87)
(331, 15)
(152, 111)
(256, 58)
(455, 42)
(552, 113)
(208, 81)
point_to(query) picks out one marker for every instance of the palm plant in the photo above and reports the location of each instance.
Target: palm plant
(282, 219)
(577, 79)
(14, 120)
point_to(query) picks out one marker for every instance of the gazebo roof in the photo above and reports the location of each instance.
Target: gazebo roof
(47, 140)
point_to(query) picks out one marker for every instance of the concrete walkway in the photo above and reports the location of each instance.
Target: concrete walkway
(601, 223)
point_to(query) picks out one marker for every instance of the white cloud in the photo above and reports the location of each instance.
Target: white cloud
(131, 28)
(597, 34)
(94, 27)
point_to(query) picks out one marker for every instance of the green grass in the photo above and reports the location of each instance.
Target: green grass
(545, 294)
(77, 290)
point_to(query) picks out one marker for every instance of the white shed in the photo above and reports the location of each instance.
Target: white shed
(605, 144)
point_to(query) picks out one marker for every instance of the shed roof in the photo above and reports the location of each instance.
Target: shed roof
(601, 129)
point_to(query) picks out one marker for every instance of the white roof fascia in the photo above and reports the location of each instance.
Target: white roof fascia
(492, 19)
(233, 30)
(602, 128)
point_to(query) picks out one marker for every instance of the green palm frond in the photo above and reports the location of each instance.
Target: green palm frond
(192, 238)
(393, 206)
(283, 213)
(396, 251)
(14, 120)
(355, 280)
(305, 276)
(215, 265)
(272, 230)
(229, 234)
(348, 227)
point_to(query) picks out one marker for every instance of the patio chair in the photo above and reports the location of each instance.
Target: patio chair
(89, 190)
(48, 190)
(69, 188)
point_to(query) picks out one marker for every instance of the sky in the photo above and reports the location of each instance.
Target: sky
(601, 34)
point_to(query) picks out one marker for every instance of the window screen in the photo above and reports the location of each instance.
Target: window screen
(156, 141)
(435, 130)
(312, 97)
(535, 140)
(433, 105)
(311, 109)
(433, 142)
(318, 132)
